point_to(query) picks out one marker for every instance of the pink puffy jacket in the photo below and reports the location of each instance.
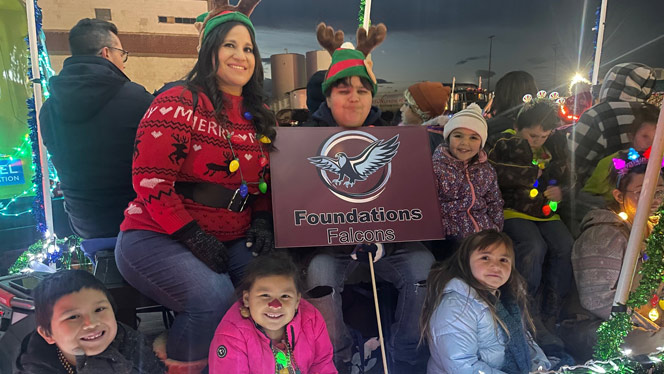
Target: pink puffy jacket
(239, 347)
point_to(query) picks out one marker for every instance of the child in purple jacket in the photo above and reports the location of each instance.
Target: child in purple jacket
(468, 192)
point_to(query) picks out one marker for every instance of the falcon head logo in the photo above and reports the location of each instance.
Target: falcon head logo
(360, 166)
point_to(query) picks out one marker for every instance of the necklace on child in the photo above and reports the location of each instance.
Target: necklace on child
(541, 158)
(64, 362)
(283, 361)
(235, 163)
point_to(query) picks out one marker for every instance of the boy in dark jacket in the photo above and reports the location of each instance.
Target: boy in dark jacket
(349, 87)
(533, 171)
(77, 332)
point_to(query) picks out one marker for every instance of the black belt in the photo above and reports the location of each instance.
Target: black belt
(214, 195)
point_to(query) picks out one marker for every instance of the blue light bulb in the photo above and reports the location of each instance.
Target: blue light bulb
(244, 190)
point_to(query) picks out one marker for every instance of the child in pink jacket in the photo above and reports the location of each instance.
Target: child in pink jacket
(271, 329)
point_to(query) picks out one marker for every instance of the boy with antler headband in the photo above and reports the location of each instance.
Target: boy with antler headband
(349, 87)
(349, 83)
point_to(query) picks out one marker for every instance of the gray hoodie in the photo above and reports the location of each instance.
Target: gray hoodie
(597, 257)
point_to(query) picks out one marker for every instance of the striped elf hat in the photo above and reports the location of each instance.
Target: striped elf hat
(346, 61)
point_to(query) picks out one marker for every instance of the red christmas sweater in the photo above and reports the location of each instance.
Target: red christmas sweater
(172, 145)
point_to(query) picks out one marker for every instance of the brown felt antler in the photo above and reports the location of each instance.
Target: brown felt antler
(328, 38)
(367, 43)
(245, 7)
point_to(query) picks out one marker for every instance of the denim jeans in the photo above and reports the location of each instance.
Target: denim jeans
(406, 268)
(535, 241)
(166, 271)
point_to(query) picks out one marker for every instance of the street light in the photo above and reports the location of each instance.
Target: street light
(488, 86)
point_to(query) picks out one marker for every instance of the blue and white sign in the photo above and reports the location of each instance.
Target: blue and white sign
(11, 172)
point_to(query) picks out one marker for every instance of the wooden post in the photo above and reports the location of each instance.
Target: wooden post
(367, 14)
(380, 325)
(600, 41)
(642, 212)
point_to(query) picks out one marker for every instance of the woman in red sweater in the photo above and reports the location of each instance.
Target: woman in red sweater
(200, 173)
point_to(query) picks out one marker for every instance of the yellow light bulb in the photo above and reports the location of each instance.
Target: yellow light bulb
(533, 193)
(653, 315)
(623, 215)
(234, 165)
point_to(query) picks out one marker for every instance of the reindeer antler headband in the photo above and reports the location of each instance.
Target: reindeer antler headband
(222, 12)
(348, 62)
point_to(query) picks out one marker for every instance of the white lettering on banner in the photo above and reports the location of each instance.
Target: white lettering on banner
(11, 178)
(360, 236)
(353, 235)
(7, 169)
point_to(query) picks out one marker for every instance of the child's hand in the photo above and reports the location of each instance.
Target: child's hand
(553, 193)
(361, 252)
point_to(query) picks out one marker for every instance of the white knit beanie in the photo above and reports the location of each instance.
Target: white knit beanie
(470, 118)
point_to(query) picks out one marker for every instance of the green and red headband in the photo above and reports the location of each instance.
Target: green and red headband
(223, 17)
(223, 12)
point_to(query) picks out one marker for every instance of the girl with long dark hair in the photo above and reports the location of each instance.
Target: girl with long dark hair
(475, 314)
(200, 173)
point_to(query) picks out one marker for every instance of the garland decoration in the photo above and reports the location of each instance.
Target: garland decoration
(611, 334)
(650, 364)
(45, 73)
(360, 16)
(61, 252)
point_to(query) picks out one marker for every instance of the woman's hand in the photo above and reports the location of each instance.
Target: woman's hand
(260, 236)
(204, 246)
(553, 193)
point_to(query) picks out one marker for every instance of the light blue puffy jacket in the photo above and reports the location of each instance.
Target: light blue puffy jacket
(465, 339)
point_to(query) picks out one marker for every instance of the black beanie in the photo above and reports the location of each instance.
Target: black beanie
(315, 94)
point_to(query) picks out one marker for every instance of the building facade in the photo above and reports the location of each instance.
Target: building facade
(159, 34)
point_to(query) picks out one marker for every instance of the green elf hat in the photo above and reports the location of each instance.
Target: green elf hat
(222, 12)
(346, 61)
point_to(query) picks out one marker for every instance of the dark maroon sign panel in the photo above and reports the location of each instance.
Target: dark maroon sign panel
(332, 186)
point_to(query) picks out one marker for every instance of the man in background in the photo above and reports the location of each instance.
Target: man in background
(89, 126)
